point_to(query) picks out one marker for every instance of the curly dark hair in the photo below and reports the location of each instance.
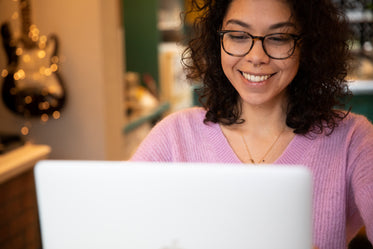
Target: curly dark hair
(317, 89)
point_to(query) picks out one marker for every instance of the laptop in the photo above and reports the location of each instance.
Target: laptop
(145, 205)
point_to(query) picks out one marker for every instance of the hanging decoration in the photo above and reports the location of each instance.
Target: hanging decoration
(32, 86)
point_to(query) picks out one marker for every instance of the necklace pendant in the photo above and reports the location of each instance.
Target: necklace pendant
(265, 154)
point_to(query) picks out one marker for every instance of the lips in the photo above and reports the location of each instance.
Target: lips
(256, 78)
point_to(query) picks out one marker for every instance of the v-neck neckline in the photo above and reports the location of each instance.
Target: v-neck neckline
(292, 154)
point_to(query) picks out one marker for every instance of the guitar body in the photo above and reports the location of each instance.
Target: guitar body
(32, 85)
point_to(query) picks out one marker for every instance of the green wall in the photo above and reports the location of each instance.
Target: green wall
(141, 36)
(362, 104)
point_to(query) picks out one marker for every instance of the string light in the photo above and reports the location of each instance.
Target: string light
(44, 117)
(25, 130)
(42, 54)
(56, 114)
(4, 73)
(28, 99)
(19, 75)
(19, 51)
(55, 59)
(54, 67)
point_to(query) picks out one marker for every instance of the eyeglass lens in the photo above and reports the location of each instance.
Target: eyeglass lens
(278, 46)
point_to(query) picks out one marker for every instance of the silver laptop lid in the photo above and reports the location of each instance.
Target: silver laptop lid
(132, 205)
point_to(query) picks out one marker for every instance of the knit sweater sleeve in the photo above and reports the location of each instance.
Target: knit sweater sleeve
(361, 160)
(157, 145)
(184, 137)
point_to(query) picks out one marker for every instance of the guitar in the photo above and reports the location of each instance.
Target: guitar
(32, 85)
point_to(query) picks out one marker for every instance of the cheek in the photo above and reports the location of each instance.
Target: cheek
(295, 60)
(224, 64)
(290, 67)
(227, 62)
(295, 67)
(223, 58)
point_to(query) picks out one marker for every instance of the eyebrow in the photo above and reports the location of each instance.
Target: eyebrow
(273, 26)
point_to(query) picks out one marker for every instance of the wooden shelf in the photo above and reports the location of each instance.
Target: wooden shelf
(21, 159)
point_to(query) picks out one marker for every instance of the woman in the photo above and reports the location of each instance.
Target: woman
(272, 73)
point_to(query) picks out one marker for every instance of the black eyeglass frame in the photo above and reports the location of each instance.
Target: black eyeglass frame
(261, 38)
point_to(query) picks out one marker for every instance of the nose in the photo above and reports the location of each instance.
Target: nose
(257, 55)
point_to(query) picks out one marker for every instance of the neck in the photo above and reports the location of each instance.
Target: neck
(264, 118)
(263, 136)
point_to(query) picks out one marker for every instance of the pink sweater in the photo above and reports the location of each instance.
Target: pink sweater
(342, 166)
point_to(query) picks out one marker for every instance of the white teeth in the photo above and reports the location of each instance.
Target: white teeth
(255, 78)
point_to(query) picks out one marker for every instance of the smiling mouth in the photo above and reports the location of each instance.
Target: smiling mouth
(256, 78)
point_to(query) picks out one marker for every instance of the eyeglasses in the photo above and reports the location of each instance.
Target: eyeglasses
(278, 46)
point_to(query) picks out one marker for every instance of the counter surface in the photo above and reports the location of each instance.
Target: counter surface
(21, 159)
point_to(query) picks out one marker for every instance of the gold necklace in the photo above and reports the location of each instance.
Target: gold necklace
(265, 154)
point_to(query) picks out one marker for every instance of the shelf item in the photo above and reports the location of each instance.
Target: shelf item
(359, 16)
(175, 87)
(148, 117)
(361, 87)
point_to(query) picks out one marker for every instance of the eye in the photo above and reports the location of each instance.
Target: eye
(237, 36)
(279, 39)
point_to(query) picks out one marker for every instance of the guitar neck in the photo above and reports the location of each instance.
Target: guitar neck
(25, 8)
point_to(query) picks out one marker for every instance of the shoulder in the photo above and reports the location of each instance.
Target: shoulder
(186, 124)
(357, 124)
(351, 134)
(193, 113)
(354, 138)
(359, 130)
(351, 123)
(174, 138)
(356, 118)
(353, 129)
(193, 116)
